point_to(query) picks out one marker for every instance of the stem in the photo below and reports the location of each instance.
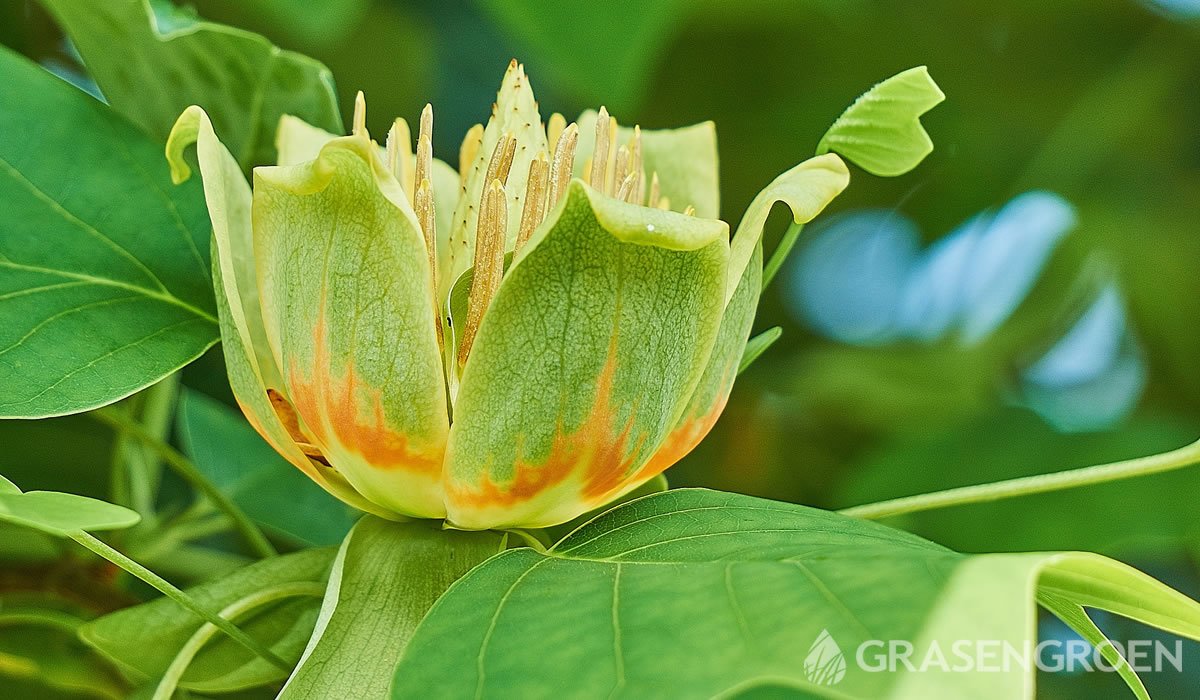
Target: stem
(169, 590)
(183, 466)
(179, 665)
(1025, 486)
(778, 257)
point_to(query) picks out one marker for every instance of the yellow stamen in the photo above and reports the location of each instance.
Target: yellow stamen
(424, 206)
(360, 114)
(689, 210)
(599, 169)
(489, 262)
(424, 148)
(400, 155)
(554, 129)
(610, 158)
(625, 192)
(654, 190)
(501, 162)
(469, 149)
(564, 161)
(423, 202)
(621, 167)
(664, 204)
(535, 199)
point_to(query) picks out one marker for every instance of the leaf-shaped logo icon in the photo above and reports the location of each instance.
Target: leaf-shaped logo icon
(825, 663)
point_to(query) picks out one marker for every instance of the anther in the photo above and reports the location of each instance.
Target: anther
(469, 149)
(599, 170)
(489, 262)
(554, 129)
(360, 114)
(564, 162)
(535, 199)
(652, 201)
(400, 155)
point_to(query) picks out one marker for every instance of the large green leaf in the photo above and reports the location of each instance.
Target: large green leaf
(60, 514)
(697, 593)
(152, 60)
(145, 639)
(105, 286)
(587, 357)
(386, 577)
(256, 477)
(881, 132)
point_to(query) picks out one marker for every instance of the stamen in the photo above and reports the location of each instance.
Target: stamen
(654, 190)
(360, 114)
(564, 162)
(424, 149)
(635, 166)
(400, 155)
(554, 129)
(423, 202)
(689, 211)
(610, 185)
(664, 204)
(501, 162)
(625, 192)
(535, 199)
(489, 262)
(599, 169)
(621, 167)
(469, 149)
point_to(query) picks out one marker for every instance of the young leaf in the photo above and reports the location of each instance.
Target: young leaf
(385, 578)
(60, 514)
(152, 60)
(881, 132)
(97, 301)
(750, 587)
(146, 638)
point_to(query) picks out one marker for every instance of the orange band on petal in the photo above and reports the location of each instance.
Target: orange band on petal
(335, 402)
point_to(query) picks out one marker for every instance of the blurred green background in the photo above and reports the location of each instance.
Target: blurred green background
(1096, 101)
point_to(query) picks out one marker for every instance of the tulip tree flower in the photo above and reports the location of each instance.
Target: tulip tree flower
(509, 343)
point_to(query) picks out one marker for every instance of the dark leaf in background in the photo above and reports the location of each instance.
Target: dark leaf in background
(152, 60)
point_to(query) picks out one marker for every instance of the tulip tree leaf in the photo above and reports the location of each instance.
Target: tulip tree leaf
(152, 60)
(60, 514)
(386, 577)
(695, 593)
(105, 285)
(585, 360)
(145, 639)
(881, 132)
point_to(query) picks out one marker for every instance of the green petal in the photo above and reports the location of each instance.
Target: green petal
(881, 132)
(297, 142)
(684, 158)
(515, 113)
(807, 189)
(348, 306)
(584, 362)
(251, 364)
